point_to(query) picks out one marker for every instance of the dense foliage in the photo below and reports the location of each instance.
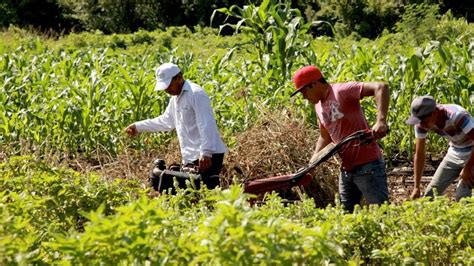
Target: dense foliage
(56, 215)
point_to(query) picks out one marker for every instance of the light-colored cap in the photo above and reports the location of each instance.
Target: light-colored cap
(164, 74)
(421, 107)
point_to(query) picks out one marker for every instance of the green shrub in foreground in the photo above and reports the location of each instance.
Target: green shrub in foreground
(38, 201)
(222, 228)
(65, 194)
(53, 215)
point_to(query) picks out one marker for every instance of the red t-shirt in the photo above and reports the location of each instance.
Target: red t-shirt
(341, 114)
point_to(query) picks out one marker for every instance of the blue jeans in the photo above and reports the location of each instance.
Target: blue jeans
(368, 180)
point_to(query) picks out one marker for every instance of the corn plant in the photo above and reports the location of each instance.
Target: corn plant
(275, 31)
(77, 100)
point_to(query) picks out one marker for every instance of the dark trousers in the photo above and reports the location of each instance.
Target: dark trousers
(210, 177)
(368, 180)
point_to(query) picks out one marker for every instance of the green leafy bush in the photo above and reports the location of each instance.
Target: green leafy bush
(51, 215)
(64, 195)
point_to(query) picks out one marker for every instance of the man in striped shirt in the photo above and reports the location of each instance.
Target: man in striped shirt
(457, 125)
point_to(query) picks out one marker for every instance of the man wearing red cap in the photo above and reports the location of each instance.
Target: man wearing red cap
(339, 114)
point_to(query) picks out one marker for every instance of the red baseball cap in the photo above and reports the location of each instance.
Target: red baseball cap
(305, 76)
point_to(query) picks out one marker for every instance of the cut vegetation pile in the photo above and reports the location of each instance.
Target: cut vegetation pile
(277, 145)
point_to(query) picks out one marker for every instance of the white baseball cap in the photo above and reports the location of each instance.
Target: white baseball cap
(164, 74)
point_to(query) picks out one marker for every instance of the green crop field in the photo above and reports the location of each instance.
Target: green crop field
(68, 99)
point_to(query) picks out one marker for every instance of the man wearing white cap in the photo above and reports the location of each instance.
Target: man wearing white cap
(189, 112)
(457, 125)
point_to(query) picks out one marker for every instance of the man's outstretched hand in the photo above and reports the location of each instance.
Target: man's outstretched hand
(131, 130)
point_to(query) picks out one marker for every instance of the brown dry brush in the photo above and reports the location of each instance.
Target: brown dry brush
(139, 163)
(279, 144)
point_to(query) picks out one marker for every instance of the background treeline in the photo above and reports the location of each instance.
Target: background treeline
(365, 18)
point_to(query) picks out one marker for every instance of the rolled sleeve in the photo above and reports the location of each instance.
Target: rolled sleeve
(464, 122)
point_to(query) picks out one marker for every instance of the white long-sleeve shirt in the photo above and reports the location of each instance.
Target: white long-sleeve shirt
(190, 113)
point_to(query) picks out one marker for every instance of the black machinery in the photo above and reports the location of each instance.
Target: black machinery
(162, 179)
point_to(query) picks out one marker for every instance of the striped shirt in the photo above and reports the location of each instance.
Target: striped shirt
(456, 128)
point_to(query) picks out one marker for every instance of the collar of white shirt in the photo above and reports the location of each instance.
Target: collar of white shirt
(186, 87)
